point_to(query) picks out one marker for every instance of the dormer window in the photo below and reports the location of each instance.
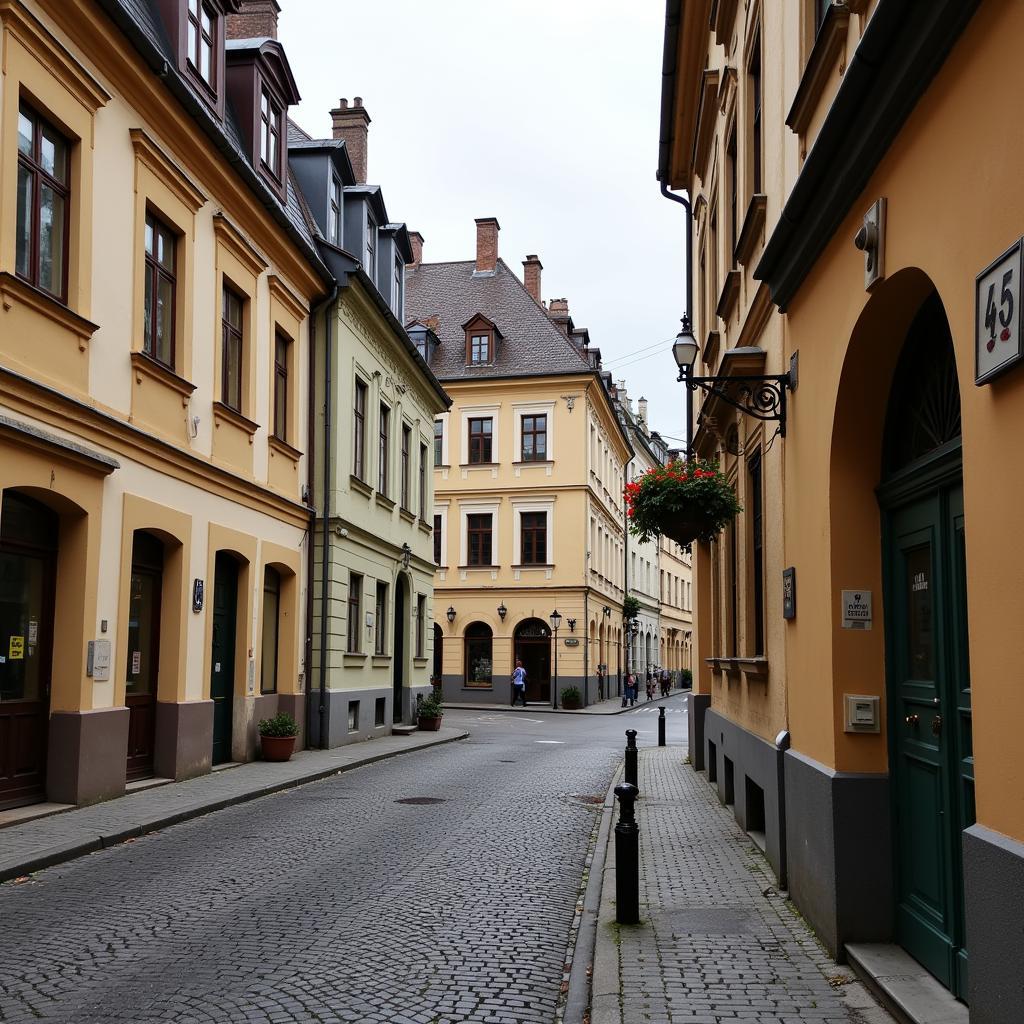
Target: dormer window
(334, 213)
(399, 279)
(201, 42)
(480, 348)
(270, 134)
(371, 247)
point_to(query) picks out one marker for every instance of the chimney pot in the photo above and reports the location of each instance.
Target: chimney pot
(487, 229)
(352, 124)
(254, 20)
(416, 241)
(532, 267)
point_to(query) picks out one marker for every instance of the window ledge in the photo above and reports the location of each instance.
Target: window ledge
(225, 412)
(425, 526)
(710, 352)
(828, 44)
(478, 686)
(730, 293)
(381, 659)
(384, 501)
(534, 462)
(752, 667)
(478, 465)
(753, 225)
(360, 485)
(480, 568)
(354, 656)
(534, 565)
(408, 516)
(420, 662)
(284, 448)
(147, 366)
(44, 303)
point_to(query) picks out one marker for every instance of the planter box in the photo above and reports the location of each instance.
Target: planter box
(428, 724)
(277, 748)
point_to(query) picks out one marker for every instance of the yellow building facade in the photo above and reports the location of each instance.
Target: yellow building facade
(156, 289)
(857, 219)
(528, 480)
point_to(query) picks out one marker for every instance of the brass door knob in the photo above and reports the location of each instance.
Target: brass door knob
(937, 725)
(912, 719)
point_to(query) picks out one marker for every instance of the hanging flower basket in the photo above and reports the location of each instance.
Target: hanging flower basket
(684, 501)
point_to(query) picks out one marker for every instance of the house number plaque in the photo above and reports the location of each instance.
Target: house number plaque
(998, 316)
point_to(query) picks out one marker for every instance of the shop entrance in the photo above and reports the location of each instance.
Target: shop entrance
(143, 653)
(533, 649)
(928, 681)
(222, 655)
(28, 558)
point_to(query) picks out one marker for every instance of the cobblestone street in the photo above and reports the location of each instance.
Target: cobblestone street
(332, 902)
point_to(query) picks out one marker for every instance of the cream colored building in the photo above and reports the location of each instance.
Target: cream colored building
(156, 284)
(529, 474)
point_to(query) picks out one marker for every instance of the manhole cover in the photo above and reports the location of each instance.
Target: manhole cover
(584, 798)
(420, 800)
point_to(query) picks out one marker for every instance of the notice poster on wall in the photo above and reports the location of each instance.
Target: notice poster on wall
(16, 648)
(136, 662)
(856, 609)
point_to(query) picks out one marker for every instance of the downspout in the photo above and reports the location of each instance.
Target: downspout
(326, 516)
(685, 203)
(586, 646)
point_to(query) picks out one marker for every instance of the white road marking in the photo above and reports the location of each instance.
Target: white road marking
(549, 741)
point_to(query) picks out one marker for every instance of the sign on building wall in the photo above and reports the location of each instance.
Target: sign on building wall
(856, 609)
(998, 316)
(789, 593)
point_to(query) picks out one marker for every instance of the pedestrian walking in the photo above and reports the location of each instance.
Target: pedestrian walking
(650, 687)
(519, 683)
(666, 682)
(633, 687)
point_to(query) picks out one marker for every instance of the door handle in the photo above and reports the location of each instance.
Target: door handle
(937, 725)
(912, 719)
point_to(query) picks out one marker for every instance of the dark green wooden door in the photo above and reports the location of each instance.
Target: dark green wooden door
(222, 660)
(929, 690)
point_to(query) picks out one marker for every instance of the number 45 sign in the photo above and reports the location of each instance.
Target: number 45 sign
(997, 327)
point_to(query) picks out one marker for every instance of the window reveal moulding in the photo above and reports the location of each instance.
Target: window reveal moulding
(753, 225)
(828, 44)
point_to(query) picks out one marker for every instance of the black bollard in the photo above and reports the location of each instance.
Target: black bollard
(661, 727)
(627, 857)
(629, 771)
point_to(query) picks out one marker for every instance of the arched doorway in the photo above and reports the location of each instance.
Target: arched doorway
(224, 642)
(927, 665)
(533, 649)
(29, 534)
(143, 652)
(401, 648)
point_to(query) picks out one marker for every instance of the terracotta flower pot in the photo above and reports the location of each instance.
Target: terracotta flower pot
(428, 724)
(277, 748)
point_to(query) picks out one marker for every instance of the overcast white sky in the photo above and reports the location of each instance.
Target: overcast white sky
(542, 113)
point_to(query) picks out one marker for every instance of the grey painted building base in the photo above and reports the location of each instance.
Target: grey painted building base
(994, 893)
(839, 847)
(748, 773)
(696, 706)
(368, 720)
(453, 689)
(86, 755)
(184, 739)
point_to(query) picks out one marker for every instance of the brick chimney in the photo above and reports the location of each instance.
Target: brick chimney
(416, 241)
(558, 310)
(487, 229)
(531, 276)
(641, 409)
(254, 20)
(352, 124)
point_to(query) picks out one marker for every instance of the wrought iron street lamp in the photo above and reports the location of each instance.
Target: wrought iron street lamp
(555, 620)
(761, 395)
(451, 614)
(502, 611)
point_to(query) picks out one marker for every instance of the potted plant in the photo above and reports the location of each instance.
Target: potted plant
(571, 699)
(277, 736)
(429, 712)
(685, 679)
(684, 501)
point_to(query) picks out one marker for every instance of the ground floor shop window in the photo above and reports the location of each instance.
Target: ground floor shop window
(479, 656)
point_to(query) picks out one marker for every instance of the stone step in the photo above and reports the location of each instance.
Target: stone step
(403, 730)
(903, 986)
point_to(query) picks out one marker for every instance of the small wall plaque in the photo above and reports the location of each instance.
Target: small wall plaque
(100, 660)
(861, 713)
(856, 609)
(789, 593)
(198, 589)
(572, 641)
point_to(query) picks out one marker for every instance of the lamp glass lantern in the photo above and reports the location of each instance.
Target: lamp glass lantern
(684, 348)
(556, 620)
(451, 614)
(502, 611)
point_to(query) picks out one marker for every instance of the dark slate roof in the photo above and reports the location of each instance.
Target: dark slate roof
(140, 20)
(531, 344)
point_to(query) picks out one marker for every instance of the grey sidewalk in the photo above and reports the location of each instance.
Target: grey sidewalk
(32, 845)
(611, 706)
(717, 943)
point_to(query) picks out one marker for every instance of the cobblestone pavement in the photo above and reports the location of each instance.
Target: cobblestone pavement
(718, 943)
(332, 902)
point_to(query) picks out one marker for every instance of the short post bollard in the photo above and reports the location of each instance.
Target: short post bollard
(627, 857)
(661, 727)
(629, 771)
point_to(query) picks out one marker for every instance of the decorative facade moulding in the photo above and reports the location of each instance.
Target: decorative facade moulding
(13, 289)
(706, 116)
(722, 19)
(238, 245)
(52, 54)
(166, 170)
(829, 43)
(291, 302)
(753, 225)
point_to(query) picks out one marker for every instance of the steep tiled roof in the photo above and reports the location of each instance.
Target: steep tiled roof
(531, 344)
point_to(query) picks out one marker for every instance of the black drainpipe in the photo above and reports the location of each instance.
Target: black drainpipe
(326, 516)
(685, 203)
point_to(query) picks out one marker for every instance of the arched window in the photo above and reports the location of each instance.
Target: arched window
(479, 654)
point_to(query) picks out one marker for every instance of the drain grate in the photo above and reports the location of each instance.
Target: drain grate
(420, 800)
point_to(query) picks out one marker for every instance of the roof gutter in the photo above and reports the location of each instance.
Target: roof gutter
(673, 10)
